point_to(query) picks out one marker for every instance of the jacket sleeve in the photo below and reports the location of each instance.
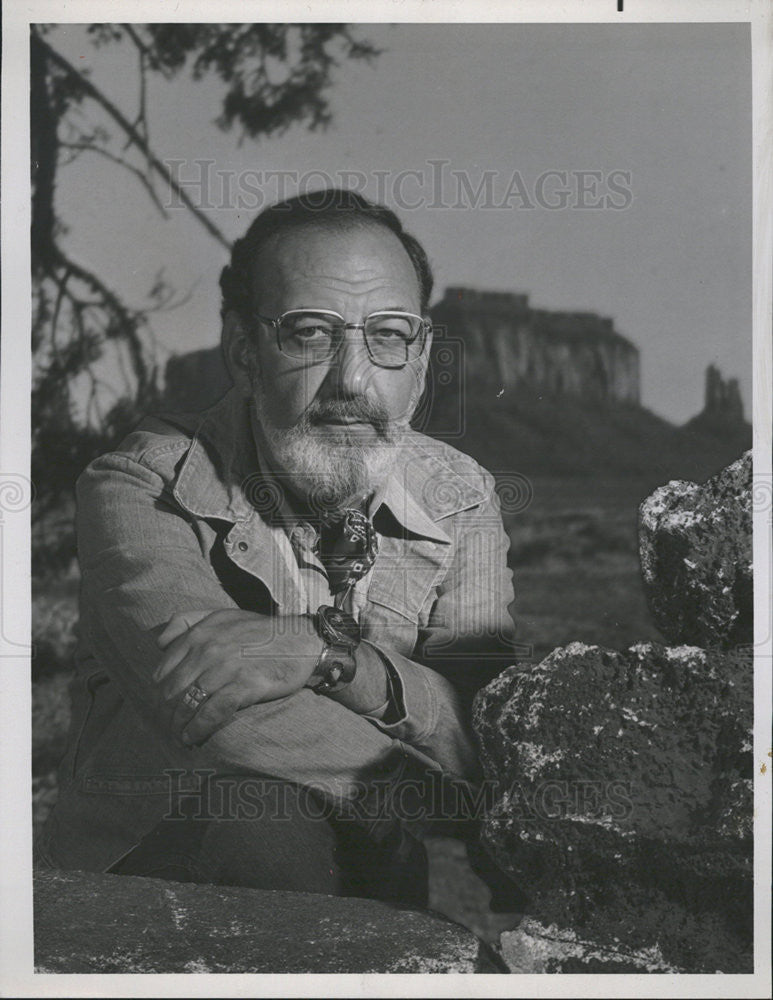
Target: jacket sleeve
(468, 640)
(141, 562)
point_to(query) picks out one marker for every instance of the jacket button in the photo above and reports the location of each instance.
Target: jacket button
(242, 546)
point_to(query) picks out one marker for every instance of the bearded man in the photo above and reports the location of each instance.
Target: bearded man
(288, 600)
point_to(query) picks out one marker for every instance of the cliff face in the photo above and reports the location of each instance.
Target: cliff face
(559, 353)
(722, 412)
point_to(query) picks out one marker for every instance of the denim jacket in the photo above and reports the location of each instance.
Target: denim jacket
(178, 519)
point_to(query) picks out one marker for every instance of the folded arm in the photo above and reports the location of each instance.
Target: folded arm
(467, 641)
(143, 562)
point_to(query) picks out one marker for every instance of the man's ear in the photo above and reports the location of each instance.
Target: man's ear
(423, 361)
(238, 345)
(427, 348)
(420, 369)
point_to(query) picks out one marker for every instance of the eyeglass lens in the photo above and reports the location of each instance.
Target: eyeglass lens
(391, 338)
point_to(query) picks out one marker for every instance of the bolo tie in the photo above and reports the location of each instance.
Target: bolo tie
(347, 549)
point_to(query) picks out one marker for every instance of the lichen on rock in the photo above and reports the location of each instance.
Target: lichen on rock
(89, 922)
(695, 546)
(624, 809)
(532, 947)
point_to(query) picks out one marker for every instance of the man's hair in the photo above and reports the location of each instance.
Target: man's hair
(335, 207)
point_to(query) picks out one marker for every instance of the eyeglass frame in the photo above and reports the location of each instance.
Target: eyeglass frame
(425, 328)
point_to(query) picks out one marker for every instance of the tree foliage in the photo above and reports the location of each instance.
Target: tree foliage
(273, 76)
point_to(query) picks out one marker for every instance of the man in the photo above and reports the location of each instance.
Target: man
(292, 592)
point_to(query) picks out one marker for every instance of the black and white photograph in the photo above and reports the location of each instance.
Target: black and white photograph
(386, 499)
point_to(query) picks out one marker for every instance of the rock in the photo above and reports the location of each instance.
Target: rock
(722, 414)
(533, 948)
(695, 545)
(87, 922)
(624, 797)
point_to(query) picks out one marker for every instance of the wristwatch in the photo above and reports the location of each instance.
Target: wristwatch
(336, 665)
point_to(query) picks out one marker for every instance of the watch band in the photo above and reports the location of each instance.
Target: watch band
(334, 669)
(337, 626)
(336, 665)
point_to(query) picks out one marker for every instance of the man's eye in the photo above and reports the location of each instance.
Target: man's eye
(309, 331)
(390, 333)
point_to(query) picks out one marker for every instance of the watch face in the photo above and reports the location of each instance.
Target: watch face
(339, 623)
(335, 669)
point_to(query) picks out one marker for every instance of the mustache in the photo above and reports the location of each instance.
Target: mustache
(359, 408)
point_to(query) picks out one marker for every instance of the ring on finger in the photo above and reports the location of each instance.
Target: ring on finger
(194, 696)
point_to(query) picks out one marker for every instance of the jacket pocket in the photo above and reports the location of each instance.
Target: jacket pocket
(87, 696)
(386, 624)
(383, 599)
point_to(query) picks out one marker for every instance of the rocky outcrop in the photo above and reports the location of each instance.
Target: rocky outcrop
(87, 922)
(696, 558)
(563, 353)
(625, 810)
(722, 414)
(533, 947)
(624, 779)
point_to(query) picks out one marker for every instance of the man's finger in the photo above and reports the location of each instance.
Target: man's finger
(183, 712)
(209, 680)
(182, 673)
(216, 711)
(179, 624)
(175, 653)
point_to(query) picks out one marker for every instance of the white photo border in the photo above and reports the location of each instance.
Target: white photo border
(16, 976)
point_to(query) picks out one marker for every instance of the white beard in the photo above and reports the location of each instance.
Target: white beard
(327, 472)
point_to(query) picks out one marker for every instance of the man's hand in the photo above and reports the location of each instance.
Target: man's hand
(238, 658)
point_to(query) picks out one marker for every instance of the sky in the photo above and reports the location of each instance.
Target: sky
(645, 128)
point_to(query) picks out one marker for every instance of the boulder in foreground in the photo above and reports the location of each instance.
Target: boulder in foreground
(624, 799)
(534, 948)
(87, 922)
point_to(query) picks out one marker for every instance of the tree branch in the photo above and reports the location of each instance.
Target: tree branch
(143, 57)
(86, 147)
(145, 50)
(57, 306)
(128, 321)
(88, 88)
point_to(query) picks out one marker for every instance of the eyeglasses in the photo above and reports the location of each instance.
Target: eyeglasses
(393, 339)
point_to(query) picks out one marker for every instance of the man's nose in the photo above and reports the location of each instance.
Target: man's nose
(351, 366)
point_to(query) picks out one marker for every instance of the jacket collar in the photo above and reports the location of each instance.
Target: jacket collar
(220, 477)
(215, 478)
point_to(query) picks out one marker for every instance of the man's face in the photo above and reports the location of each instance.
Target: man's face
(333, 427)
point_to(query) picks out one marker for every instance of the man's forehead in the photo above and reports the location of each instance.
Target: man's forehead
(349, 255)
